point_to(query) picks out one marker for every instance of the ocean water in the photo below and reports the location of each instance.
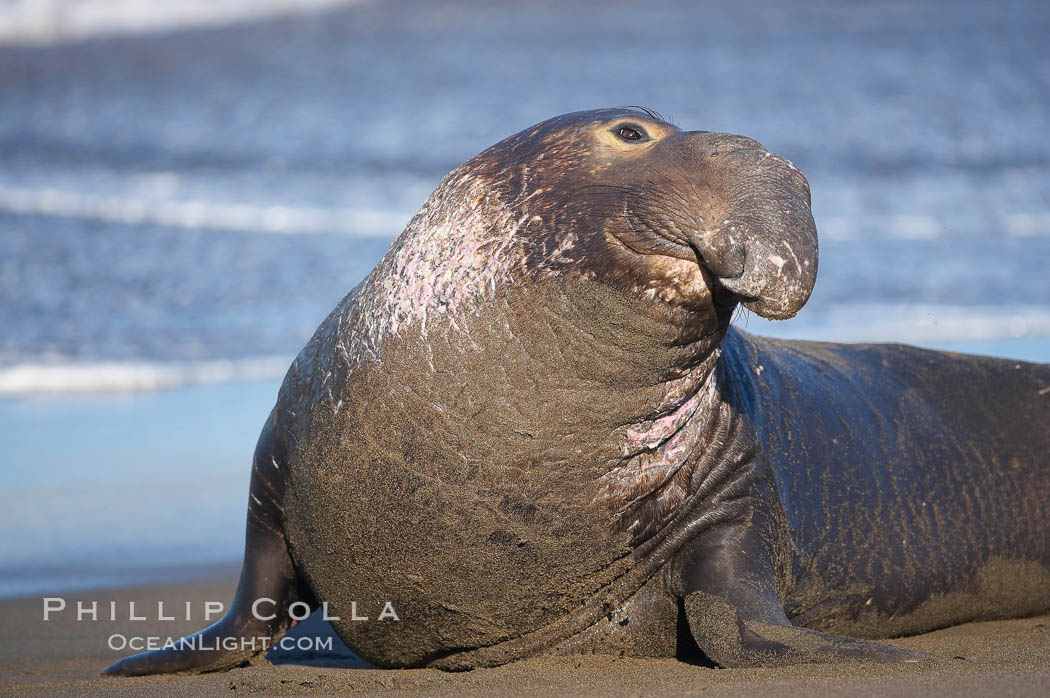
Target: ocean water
(180, 209)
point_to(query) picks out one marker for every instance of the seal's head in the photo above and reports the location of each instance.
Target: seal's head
(677, 214)
(501, 425)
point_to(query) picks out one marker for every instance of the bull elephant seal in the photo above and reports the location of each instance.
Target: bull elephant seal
(532, 430)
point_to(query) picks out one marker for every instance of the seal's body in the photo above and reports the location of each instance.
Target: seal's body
(913, 482)
(531, 429)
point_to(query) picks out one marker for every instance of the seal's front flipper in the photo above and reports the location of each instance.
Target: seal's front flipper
(727, 581)
(267, 587)
(733, 640)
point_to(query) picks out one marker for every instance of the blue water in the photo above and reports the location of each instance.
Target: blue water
(175, 200)
(126, 488)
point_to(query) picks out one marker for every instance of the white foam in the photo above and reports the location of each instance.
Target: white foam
(28, 378)
(910, 323)
(922, 227)
(276, 219)
(836, 228)
(1028, 224)
(48, 21)
(913, 227)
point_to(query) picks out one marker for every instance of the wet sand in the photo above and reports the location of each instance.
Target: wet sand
(64, 657)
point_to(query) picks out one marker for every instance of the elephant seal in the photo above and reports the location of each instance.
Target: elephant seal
(531, 429)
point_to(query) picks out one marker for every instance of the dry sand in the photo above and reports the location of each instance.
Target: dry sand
(63, 656)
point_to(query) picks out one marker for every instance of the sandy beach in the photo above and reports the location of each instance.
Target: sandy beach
(64, 657)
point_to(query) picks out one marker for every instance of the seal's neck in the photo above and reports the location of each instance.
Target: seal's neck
(666, 457)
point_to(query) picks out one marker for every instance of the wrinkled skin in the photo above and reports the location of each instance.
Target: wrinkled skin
(532, 430)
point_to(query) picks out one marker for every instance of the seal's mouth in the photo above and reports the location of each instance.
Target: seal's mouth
(723, 300)
(681, 266)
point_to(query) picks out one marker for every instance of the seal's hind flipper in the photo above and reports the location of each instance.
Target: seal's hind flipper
(267, 573)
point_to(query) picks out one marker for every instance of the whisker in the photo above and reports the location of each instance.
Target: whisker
(651, 113)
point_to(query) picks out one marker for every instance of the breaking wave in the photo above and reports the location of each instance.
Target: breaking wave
(112, 376)
(992, 327)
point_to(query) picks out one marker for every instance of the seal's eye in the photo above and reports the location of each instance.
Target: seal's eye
(631, 133)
